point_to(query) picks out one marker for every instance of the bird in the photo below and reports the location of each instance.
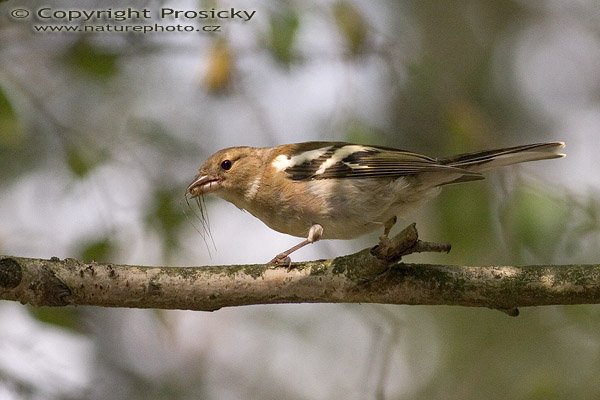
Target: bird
(337, 190)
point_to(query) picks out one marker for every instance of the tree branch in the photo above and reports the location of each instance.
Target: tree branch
(57, 282)
(369, 276)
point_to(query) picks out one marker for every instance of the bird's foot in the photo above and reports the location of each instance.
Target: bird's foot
(282, 260)
(406, 242)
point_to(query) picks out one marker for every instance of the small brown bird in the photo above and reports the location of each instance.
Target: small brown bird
(337, 190)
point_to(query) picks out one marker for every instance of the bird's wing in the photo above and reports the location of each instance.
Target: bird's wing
(344, 160)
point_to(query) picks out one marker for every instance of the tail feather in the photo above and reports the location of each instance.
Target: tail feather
(485, 160)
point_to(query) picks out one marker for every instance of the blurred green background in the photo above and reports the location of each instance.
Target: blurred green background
(100, 133)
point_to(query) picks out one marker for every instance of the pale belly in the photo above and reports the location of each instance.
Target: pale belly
(344, 211)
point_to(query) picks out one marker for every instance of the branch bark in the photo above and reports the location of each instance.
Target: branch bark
(357, 278)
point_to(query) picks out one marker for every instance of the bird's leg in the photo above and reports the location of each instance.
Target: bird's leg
(406, 242)
(388, 225)
(314, 233)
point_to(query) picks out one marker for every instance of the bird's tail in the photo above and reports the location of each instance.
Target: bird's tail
(482, 161)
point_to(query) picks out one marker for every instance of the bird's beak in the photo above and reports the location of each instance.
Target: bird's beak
(203, 184)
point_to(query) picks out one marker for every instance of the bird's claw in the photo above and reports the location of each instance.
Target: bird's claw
(282, 260)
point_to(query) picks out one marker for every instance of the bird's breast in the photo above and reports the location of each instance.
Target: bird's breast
(345, 208)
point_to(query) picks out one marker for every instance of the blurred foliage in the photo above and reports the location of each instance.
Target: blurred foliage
(467, 125)
(11, 130)
(449, 85)
(464, 219)
(218, 75)
(351, 24)
(585, 226)
(166, 216)
(91, 60)
(489, 355)
(82, 160)
(357, 131)
(19, 150)
(100, 250)
(155, 134)
(67, 318)
(535, 221)
(282, 35)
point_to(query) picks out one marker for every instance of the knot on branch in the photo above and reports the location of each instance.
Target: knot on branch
(11, 273)
(48, 289)
(406, 242)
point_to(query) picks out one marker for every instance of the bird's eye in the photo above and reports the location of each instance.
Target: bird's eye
(226, 164)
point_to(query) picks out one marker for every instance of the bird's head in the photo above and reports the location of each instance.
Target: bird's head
(228, 173)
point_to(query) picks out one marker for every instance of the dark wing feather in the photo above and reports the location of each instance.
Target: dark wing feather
(371, 162)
